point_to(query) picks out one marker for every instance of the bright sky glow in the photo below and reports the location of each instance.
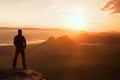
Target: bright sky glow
(63, 14)
(74, 22)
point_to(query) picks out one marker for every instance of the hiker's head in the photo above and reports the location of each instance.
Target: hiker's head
(19, 31)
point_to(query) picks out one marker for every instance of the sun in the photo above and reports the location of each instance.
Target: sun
(74, 22)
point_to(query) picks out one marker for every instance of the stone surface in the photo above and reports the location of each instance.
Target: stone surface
(20, 74)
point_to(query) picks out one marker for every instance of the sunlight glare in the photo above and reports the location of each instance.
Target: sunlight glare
(75, 22)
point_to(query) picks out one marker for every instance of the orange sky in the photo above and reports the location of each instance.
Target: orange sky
(63, 14)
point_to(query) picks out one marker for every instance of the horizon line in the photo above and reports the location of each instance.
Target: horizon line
(41, 28)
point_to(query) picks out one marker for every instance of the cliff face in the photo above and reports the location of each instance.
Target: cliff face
(19, 74)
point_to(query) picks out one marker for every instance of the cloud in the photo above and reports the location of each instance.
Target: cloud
(113, 5)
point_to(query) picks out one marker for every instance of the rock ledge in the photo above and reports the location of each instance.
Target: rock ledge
(19, 74)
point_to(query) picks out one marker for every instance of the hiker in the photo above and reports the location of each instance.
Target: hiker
(20, 44)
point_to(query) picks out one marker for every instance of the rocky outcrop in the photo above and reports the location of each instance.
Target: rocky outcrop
(20, 74)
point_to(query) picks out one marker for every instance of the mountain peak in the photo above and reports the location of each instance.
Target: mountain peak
(51, 39)
(19, 74)
(65, 40)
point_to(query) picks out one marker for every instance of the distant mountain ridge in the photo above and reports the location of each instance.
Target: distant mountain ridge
(58, 44)
(111, 38)
(30, 28)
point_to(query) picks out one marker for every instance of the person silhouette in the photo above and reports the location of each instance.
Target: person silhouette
(20, 44)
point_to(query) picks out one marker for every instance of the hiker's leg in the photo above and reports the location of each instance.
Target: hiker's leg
(23, 59)
(15, 58)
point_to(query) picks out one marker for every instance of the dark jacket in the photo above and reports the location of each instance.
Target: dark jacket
(20, 42)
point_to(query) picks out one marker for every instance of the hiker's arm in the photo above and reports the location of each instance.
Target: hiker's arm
(25, 43)
(14, 41)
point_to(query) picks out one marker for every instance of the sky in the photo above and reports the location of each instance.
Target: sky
(88, 15)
